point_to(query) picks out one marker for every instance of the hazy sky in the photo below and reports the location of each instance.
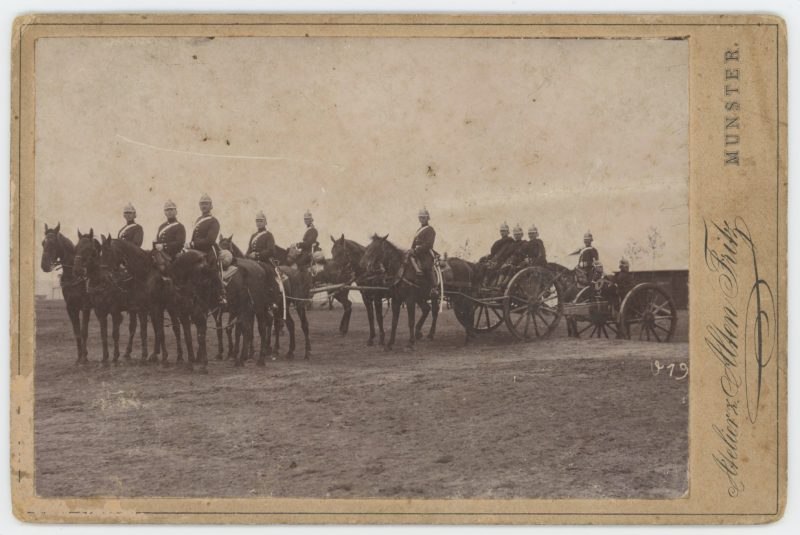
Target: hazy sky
(566, 134)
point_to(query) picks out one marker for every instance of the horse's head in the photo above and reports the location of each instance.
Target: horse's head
(292, 254)
(108, 252)
(87, 253)
(339, 252)
(375, 255)
(226, 244)
(52, 255)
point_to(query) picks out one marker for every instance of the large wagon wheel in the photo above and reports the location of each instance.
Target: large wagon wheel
(534, 303)
(477, 317)
(596, 323)
(648, 313)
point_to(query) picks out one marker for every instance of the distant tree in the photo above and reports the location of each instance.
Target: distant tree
(463, 251)
(652, 250)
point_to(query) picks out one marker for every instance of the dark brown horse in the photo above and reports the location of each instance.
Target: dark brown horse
(347, 256)
(249, 298)
(297, 286)
(388, 265)
(59, 252)
(197, 293)
(105, 291)
(462, 281)
(151, 292)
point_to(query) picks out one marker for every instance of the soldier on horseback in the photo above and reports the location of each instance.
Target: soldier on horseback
(171, 234)
(204, 238)
(132, 231)
(309, 243)
(262, 243)
(421, 254)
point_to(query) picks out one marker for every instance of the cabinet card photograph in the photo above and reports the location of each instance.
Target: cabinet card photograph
(387, 269)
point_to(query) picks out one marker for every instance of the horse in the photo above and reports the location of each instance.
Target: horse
(104, 290)
(249, 297)
(197, 292)
(59, 252)
(152, 293)
(297, 285)
(346, 255)
(385, 262)
(137, 300)
(463, 279)
(569, 289)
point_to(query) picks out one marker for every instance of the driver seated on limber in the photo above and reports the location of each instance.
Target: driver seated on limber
(421, 255)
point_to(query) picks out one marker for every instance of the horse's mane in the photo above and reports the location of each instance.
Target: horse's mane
(133, 255)
(65, 242)
(376, 237)
(354, 246)
(187, 260)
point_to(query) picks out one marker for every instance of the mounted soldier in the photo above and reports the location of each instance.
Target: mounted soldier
(309, 243)
(171, 234)
(421, 254)
(204, 238)
(587, 256)
(262, 243)
(132, 231)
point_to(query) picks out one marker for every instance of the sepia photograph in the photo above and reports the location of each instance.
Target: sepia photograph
(361, 267)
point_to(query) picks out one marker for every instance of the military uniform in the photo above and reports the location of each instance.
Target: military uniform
(204, 235)
(132, 232)
(306, 247)
(262, 246)
(422, 247)
(172, 235)
(624, 282)
(532, 251)
(499, 246)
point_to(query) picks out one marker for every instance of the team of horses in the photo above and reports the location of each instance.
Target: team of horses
(113, 277)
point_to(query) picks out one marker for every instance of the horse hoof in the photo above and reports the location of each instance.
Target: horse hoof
(261, 362)
(370, 342)
(409, 348)
(219, 356)
(430, 336)
(203, 370)
(127, 355)
(105, 364)
(418, 335)
(387, 348)
(289, 355)
(307, 355)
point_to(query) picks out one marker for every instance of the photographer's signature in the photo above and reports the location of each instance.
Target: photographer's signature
(741, 336)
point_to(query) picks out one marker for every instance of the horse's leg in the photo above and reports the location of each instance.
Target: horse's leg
(220, 344)
(278, 321)
(103, 319)
(301, 312)
(86, 313)
(396, 304)
(237, 335)
(142, 330)
(261, 320)
(116, 321)
(290, 328)
(202, 356)
(411, 308)
(368, 302)
(175, 321)
(74, 313)
(344, 299)
(132, 317)
(186, 324)
(434, 317)
(426, 309)
(157, 319)
(377, 303)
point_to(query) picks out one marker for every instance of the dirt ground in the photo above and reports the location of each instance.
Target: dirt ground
(498, 419)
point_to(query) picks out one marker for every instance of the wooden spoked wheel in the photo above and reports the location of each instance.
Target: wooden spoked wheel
(648, 313)
(533, 303)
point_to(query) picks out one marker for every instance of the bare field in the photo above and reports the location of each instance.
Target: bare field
(497, 419)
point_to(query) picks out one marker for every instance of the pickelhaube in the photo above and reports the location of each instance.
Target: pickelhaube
(624, 262)
(517, 230)
(260, 216)
(588, 236)
(533, 230)
(308, 215)
(129, 209)
(504, 226)
(598, 265)
(423, 212)
(169, 205)
(205, 198)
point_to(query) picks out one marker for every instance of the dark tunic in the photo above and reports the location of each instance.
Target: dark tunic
(204, 235)
(132, 233)
(533, 251)
(498, 246)
(172, 235)
(587, 258)
(624, 282)
(309, 240)
(262, 246)
(422, 246)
